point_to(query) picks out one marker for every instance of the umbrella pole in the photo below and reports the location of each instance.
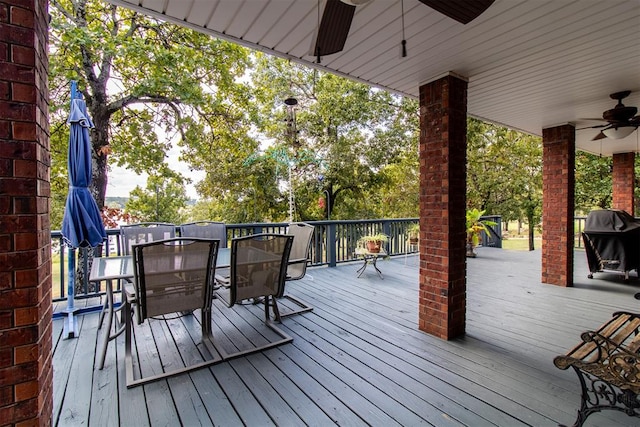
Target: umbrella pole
(71, 323)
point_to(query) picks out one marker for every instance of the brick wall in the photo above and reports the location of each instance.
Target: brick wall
(443, 159)
(558, 181)
(624, 181)
(26, 373)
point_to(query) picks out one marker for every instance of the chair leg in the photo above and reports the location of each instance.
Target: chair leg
(207, 340)
(271, 324)
(128, 330)
(108, 305)
(304, 307)
(271, 301)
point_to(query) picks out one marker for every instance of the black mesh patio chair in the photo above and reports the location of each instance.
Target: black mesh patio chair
(144, 232)
(206, 230)
(209, 230)
(258, 272)
(298, 259)
(130, 235)
(172, 276)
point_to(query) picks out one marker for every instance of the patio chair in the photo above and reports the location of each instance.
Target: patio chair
(206, 230)
(144, 232)
(297, 267)
(172, 276)
(209, 230)
(258, 272)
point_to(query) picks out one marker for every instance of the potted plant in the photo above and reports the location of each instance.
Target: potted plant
(475, 227)
(373, 242)
(413, 231)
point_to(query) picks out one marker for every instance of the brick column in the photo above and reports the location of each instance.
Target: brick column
(558, 180)
(624, 182)
(26, 373)
(443, 170)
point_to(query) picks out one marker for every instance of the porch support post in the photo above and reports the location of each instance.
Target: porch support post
(443, 159)
(26, 373)
(624, 182)
(558, 181)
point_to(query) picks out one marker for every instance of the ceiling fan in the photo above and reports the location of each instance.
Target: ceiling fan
(621, 120)
(338, 14)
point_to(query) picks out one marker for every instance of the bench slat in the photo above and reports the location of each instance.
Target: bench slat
(618, 330)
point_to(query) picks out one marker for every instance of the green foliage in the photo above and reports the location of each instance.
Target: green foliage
(475, 225)
(413, 230)
(147, 84)
(593, 181)
(162, 200)
(357, 135)
(374, 238)
(504, 171)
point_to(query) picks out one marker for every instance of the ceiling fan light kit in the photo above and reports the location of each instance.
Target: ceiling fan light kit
(619, 133)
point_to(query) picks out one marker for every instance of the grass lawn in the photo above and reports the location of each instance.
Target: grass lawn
(521, 244)
(55, 273)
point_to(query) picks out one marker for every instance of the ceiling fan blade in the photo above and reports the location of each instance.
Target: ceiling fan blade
(463, 11)
(600, 135)
(635, 121)
(334, 28)
(593, 127)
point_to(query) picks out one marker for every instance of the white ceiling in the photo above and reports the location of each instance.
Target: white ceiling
(530, 64)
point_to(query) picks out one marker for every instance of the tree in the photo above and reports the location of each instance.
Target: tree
(504, 173)
(593, 181)
(145, 82)
(162, 201)
(526, 180)
(352, 132)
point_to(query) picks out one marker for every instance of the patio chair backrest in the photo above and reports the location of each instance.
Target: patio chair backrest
(258, 266)
(302, 234)
(174, 275)
(144, 232)
(206, 230)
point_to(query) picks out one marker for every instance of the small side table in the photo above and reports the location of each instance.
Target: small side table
(370, 258)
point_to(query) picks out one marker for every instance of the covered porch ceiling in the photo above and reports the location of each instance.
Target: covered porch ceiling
(530, 64)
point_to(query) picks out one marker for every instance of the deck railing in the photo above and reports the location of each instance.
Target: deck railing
(579, 222)
(333, 242)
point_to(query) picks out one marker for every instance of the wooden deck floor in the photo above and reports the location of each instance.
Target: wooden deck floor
(359, 359)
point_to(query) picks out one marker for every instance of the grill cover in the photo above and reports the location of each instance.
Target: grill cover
(612, 241)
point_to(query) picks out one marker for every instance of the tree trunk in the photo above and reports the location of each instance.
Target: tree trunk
(531, 230)
(99, 154)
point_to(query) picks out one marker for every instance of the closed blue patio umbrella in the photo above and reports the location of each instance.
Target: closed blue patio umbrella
(82, 224)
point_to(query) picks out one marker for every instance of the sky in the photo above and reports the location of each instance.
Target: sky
(122, 181)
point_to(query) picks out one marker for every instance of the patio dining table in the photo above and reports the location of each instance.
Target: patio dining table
(108, 269)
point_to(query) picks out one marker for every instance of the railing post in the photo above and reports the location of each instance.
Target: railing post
(318, 243)
(331, 244)
(498, 229)
(386, 229)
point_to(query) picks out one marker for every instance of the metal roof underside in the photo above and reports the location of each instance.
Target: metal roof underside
(530, 64)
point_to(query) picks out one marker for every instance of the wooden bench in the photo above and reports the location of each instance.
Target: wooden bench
(607, 363)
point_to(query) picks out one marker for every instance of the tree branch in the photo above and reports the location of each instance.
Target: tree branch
(121, 103)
